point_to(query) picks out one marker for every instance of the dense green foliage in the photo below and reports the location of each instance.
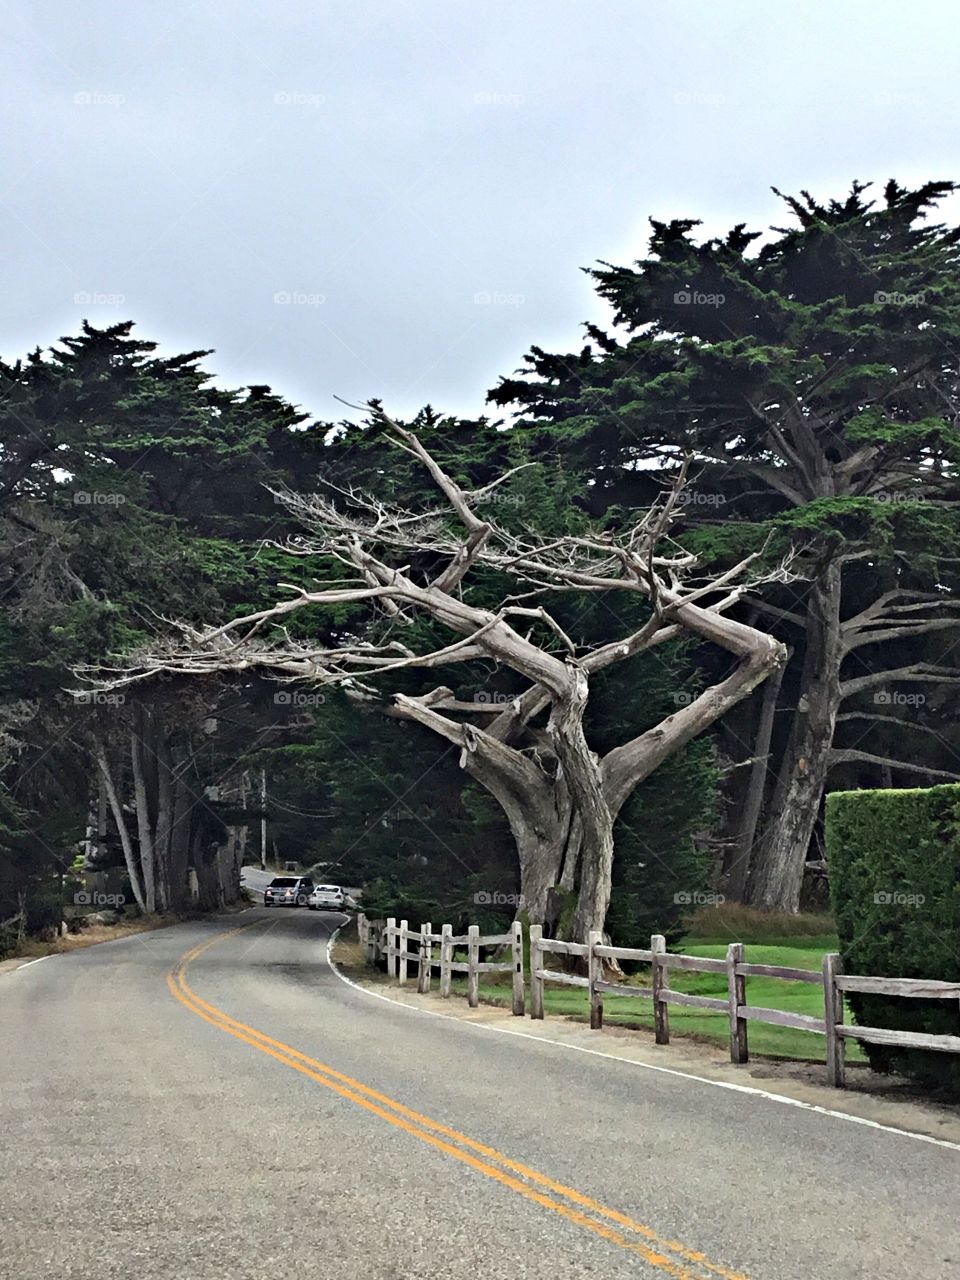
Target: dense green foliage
(895, 883)
(809, 375)
(133, 492)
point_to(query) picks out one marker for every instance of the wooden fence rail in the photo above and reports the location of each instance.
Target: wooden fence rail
(394, 945)
(390, 939)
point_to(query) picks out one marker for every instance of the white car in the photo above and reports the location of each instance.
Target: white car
(327, 897)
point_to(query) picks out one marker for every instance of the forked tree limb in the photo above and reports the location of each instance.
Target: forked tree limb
(560, 798)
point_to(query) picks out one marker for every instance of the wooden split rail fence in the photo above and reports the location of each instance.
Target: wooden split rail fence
(393, 943)
(391, 939)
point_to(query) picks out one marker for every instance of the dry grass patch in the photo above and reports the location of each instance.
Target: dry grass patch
(33, 948)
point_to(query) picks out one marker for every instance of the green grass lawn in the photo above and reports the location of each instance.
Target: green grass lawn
(798, 952)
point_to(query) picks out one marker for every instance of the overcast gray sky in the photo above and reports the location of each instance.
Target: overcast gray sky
(394, 197)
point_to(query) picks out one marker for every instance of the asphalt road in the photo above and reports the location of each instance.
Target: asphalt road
(212, 1100)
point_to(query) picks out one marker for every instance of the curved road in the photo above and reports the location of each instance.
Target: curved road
(213, 1100)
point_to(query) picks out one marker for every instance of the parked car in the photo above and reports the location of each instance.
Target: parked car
(327, 897)
(288, 891)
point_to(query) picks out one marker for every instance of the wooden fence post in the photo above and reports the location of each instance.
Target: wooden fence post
(389, 934)
(737, 992)
(367, 936)
(426, 955)
(536, 964)
(595, 975)
(833, 1017)
(473, 958)
(660, 981)
(516, 948)
(446, 958)
(402, 960)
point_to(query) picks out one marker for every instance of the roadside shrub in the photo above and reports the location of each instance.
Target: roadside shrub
(894, 862)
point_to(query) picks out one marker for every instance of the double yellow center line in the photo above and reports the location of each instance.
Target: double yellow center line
(669, 1256)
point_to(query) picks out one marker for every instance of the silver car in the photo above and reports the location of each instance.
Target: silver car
(287, 891)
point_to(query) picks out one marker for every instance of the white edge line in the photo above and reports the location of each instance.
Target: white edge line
(27, 963)
(646, 1066)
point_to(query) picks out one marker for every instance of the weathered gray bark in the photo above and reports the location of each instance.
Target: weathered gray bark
(170, 900)
(179, 858)
(739, 867)
(777, 875)
(144, 824)
(116, 808)
(560, 799)
(584, 776)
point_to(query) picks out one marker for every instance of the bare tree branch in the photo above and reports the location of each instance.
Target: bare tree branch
(559, 797)
(847, 755)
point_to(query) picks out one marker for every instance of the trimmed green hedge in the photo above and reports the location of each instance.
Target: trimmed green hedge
(894, 863)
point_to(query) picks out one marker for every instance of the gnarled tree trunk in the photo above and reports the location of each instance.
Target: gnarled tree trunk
(777, 876)
(738, 870)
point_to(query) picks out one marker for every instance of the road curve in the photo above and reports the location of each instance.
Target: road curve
(213, 1100)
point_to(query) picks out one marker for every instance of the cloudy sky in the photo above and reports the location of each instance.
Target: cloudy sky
(394, 197)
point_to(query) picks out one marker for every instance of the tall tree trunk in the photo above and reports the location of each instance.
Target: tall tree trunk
(228, 868)
(582, 769)
(129, 857)
(571, 856)
(167, 889)
(739, 868)
(244, 833)
(144, 828)
(204, 860)
(542, 832)
(596, 874)
(101, 819)
(179, 857)
(777, 877)
(90, 834)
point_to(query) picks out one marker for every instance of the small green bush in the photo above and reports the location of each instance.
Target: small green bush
(894, 860)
